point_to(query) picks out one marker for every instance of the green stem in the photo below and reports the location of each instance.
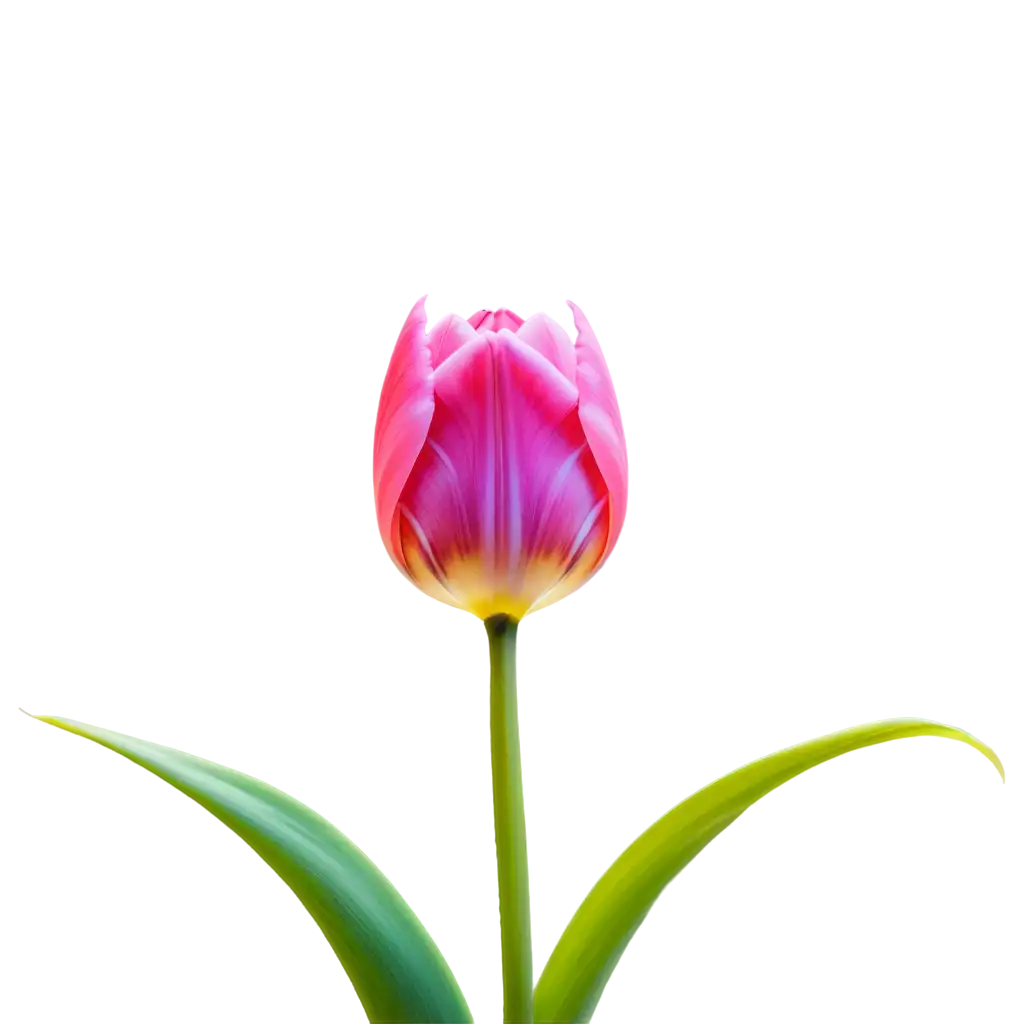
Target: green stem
(510, 824)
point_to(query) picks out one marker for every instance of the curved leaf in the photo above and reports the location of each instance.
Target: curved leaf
(586, 954)
(398, 972)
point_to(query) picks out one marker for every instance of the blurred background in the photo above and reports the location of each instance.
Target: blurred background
(796, 229)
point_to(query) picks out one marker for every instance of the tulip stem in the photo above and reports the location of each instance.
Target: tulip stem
(510, 824)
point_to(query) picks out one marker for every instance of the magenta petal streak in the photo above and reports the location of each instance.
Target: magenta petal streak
(403, 417)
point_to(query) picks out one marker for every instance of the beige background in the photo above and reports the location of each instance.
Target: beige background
(208, 224)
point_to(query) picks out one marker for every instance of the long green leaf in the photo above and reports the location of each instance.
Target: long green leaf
(398, 972)
(590, 947)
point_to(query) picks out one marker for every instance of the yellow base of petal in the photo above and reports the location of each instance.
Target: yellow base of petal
(475, 587)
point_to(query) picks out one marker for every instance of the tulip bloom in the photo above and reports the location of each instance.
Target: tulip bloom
(499, 461)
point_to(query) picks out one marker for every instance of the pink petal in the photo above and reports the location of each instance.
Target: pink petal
(505, 498)
(602, 423)
(448, 335)
(550, 340)
(501, 318)
(403, 418)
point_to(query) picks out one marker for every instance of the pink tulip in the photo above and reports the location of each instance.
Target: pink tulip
(499, 462)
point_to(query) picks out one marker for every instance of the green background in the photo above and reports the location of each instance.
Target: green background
(885, 885)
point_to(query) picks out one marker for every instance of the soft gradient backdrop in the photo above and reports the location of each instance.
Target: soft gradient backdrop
(796, 229)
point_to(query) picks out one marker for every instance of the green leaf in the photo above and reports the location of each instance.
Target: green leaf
(398, 972)
(590, 947)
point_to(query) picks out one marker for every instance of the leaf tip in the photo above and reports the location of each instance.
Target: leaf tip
(43, 718)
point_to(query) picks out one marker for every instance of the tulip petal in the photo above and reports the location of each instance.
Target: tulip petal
(505, 497)
(548, 337)
(447, 336)
(403, 418)
(602, 422)
(501, 318)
